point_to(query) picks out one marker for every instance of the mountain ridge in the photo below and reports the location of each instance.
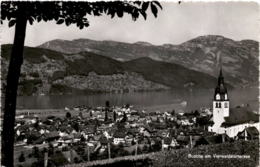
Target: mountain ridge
(239, 59)
(50, 72)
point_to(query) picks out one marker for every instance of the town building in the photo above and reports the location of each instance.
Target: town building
(228, 120)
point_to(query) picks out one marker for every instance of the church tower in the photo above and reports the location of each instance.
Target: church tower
(220, 103)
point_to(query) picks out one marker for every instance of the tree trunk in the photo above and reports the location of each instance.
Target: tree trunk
(13, 75)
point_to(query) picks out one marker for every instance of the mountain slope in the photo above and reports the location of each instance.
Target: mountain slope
(239, 58)
(51, 72)
(169, 74)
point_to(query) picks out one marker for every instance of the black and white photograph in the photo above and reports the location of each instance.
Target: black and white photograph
(129, 83)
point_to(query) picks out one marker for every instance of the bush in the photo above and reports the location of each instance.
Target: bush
(34, 74)
(76, 160)
(35, 152)
(58, 75)
(50, 149)
(21, 158)
(180, 157)
(59, 159)
(59, 88)
(65, 149)
(28, 87)
(68, 115)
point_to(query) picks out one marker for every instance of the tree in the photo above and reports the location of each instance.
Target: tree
(106, 116)
(68, 115)
(21, 158)
(75, 126)
(124, 117)
(35, 152)
(50, 149)
(127, 105)
(107, 104)
(76, 160)
(114, 116)
(19, 13)
(173, 112)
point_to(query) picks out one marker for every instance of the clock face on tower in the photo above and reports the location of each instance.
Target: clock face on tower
(226, 104)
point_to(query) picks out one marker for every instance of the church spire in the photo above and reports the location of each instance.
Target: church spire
(220, 77)
(220, 88)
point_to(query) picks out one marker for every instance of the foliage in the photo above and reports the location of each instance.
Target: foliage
(75, 13)
(76, 160)
(201, 121)
(68, 115)
(107, 104)
(124, 117)
(59, 88)
(106, 116)
(35, 152)
(180, 157)
(75, 126)
(50, 150)
(106, 66)
(114, 115)
(162, 72)
(34, 74)
(28, 87)
(57, 75)
(59, 159)
(21, 158)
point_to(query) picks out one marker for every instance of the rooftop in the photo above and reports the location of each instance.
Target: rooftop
(240, 115)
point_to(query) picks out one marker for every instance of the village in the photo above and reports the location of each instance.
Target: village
(108, 132)
(88, 135)
(84, 133)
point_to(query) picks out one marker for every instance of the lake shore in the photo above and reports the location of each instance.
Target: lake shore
(61, 112)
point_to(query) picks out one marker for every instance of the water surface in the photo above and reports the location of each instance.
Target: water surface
(174, 98)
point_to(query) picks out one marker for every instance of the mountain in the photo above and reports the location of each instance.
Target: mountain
(50, 72)
(239, 58)
(172, 75)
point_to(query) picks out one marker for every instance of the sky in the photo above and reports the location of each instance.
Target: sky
(175, 24)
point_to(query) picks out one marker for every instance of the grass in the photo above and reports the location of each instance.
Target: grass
(180, 158)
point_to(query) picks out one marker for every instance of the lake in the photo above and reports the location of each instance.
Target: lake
(174, 99)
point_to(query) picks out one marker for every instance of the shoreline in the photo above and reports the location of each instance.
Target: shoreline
(62, 111)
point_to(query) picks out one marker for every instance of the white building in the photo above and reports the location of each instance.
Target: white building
(226, 120)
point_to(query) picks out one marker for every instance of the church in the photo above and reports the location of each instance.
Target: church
(228, 120)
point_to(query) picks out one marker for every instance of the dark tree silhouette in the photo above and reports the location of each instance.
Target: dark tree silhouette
(124, 117)
(107, 104)
(68, 115)
(21, 157)
(18, 13)
(114, 116)
(106, 116)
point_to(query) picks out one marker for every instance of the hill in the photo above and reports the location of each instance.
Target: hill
(204, 53)
(189, 157)
(172, 75)
(50, 72)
